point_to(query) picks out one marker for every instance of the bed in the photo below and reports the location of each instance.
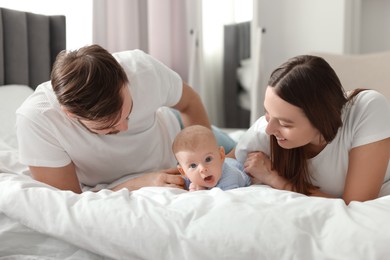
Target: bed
(256, 222)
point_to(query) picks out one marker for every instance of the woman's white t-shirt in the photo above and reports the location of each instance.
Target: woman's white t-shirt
(366, 120)
(47, 137)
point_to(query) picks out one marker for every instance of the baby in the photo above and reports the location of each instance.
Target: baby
(203, 164)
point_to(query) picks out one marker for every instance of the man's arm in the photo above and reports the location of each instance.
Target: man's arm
(191, 108)
(63, 178)
(164, 178)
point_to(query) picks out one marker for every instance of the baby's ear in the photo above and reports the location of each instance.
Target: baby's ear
(222, 152)
(181, 170)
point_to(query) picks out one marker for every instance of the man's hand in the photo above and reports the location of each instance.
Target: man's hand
(164, 178)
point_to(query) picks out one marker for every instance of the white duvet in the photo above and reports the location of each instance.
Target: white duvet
(257, 222)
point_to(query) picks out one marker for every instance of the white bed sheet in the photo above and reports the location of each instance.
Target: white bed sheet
(256, 222)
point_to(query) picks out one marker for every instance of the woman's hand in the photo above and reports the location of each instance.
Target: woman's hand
(258, 167)
(164, 178)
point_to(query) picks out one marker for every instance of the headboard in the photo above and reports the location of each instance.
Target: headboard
(29, 44)
(236, 48)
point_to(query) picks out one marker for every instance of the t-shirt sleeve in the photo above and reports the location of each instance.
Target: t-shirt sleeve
(370, 118)
(151, 75)
(38, 146)
(254, 139)
(171, 84)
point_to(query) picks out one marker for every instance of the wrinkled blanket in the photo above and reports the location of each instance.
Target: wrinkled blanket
(255, 222)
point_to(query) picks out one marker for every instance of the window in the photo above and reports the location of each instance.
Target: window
(78, 16)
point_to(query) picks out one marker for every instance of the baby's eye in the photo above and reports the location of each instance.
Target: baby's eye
(209, 159)
(192, 165)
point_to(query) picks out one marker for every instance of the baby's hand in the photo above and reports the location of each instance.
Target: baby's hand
(194, 187)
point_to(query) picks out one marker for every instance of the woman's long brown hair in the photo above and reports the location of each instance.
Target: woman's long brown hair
(311, 84)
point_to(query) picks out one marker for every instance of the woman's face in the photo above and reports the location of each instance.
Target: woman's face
(288, 123)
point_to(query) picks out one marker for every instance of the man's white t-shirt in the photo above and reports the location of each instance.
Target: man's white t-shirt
(366, 120)
(47, 137)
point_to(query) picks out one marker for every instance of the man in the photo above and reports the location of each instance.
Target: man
(103, 121)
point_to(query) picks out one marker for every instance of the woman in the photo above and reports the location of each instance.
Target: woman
(315, 138)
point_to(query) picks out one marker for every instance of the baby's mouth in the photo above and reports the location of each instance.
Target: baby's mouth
(208, 178)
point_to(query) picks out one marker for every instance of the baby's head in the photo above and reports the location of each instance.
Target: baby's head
(199, 156)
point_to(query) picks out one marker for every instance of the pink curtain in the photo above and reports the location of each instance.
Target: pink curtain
(120, 25)
(158, 27)
(171, 31)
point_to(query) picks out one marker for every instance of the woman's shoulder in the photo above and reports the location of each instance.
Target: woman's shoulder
(367, 102)
(370, 95)
(254, 139)
(367, 117)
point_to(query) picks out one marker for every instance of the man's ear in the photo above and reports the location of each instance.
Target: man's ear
(222, 153)
(181, 170)
(69, 114)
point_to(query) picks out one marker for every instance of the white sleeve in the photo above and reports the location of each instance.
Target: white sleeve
(255, 139)
(370, 118)
(171, 84)
(151, 75)
(38, 146)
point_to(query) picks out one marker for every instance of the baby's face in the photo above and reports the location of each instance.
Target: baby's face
(203, 166)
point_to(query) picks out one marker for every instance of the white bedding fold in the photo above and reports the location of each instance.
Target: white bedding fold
(256, 222)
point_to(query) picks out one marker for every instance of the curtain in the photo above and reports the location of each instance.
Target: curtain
(259, 82)
(207, 59)
(158, 27)
(186, 35)
(120, 25)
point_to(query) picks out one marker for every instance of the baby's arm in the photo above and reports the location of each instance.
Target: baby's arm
(194, 187)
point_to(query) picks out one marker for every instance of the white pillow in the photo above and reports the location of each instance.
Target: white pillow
(11, 97)
(245, 74)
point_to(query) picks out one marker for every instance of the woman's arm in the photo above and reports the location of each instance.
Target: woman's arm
(258, 166)
(366, 170)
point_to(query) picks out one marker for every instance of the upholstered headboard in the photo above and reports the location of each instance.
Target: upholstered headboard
(29, 44)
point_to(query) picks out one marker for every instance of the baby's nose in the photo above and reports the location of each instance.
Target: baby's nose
(203, 168)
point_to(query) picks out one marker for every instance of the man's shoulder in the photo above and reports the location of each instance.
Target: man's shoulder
(39, 98)
(129, 55)
(40, 103)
